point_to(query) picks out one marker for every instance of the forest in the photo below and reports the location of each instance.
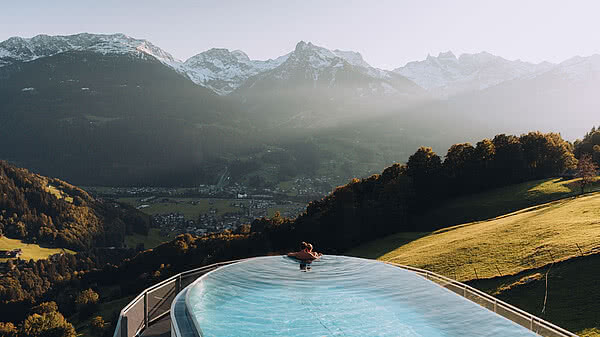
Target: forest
(49, 211)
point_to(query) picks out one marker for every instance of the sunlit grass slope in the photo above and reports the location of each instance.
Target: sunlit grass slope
(505, 245)
(30, 251)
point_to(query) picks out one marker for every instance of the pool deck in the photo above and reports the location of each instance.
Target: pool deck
(160, 328)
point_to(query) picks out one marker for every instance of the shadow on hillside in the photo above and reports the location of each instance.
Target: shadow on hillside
(378, 248)
(572, 294)
(499, 202)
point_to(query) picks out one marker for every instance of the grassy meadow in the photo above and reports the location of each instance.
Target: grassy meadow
(505, 245)
(30, 250)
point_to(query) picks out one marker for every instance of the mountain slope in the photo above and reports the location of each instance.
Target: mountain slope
(317, 88)
(508, 244)
(125, 118)
(50, 211)
(563, 98)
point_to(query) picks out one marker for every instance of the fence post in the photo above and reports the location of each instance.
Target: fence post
(495, 304)
(531, 323)
(124, 330)
(145, 310)
(178, 282)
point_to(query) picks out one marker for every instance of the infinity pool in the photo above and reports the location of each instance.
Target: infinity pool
(335, 296)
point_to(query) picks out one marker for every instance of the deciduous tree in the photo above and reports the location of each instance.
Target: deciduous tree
(586, 171)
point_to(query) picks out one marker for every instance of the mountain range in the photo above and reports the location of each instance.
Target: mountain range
(140, 116)
(224, 71)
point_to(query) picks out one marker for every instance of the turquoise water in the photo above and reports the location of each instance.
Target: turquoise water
(337, 296)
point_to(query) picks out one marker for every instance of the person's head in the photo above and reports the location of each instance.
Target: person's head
(307, 246)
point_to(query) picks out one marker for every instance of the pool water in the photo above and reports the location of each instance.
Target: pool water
(334, 296)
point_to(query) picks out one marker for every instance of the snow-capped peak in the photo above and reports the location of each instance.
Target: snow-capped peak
(315, 56)
(224, 71)
(352, 57)
(447, 74)
(449, 55)
(18, 49)
(579, 68)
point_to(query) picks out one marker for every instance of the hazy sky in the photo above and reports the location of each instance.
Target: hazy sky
(387, 33)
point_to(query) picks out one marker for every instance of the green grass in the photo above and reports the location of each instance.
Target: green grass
(153, 239)
(501, 201)
(505, 245)
(30, 250)
(573, 293)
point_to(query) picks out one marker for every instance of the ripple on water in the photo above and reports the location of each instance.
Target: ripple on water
(337, 296)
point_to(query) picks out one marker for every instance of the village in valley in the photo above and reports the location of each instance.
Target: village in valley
(214, 208)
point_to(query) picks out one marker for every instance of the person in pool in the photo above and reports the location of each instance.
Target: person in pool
(306, 253)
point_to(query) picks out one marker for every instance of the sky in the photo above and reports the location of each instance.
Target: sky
(387, 33)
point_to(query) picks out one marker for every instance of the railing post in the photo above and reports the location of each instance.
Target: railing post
(531, 324)
(495, 304)
(145, 310)
(178, 282)
(124, 330)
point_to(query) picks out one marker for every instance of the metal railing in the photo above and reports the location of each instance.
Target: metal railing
(523, 318)
(154, 303)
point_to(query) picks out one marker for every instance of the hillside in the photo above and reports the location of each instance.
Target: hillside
(572, 298)
(529, 238)
(49, 211)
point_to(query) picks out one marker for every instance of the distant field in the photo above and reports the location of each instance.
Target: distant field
(505, 245)
(30, 251)
(58, 193)
(203, 206)
(185, 206)
(153, 239)
(489, 204)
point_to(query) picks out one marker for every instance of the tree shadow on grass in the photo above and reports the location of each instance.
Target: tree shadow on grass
(378, 248)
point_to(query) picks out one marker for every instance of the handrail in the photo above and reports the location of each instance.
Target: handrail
(123, 324)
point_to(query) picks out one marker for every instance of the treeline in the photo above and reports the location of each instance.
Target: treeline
(38, 209)
(590, 145)
(501, 161)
